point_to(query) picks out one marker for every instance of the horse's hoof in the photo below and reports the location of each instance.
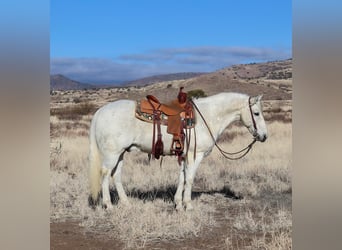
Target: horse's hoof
(189, 207)
(125, 203)
(179, 207)
(108, 207)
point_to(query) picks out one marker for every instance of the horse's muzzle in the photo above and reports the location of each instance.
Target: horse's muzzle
(261, 138)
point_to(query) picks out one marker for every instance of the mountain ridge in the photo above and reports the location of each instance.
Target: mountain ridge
(273, 78)
(61, 82)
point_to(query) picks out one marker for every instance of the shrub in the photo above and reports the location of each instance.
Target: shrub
(73, 112)
(196, 93)
(77, 100)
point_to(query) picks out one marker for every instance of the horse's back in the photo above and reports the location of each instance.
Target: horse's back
(114, 112)
(121, 106)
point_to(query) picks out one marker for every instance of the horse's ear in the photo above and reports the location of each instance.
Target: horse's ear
(255, 99)
(258, 98)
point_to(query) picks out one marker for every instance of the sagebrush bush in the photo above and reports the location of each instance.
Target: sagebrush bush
(196, 93)
(74, 112)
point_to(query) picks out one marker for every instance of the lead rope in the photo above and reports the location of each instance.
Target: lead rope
(225, 153)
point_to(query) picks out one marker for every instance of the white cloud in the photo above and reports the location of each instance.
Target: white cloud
(161, 61)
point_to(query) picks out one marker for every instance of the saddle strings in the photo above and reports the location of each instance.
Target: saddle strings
(226, 154)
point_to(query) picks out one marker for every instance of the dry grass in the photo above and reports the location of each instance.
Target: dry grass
(73, 112)
(248, 201)
(149, 219)
(69, 128)
(147, 222)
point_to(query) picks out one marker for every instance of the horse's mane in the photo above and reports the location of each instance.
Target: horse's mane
(226, 96)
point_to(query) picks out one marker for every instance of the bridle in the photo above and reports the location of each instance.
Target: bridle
(252, 116)
(229, 155)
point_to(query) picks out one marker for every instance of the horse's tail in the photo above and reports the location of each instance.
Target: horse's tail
(95, 173)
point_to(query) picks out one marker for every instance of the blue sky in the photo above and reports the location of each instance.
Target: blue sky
(112, 41)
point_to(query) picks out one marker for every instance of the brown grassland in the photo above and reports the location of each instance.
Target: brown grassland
(244, 204)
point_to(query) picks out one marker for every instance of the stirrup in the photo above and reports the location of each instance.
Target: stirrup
(177, 146)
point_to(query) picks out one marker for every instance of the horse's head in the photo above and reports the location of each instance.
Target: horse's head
(253, 119)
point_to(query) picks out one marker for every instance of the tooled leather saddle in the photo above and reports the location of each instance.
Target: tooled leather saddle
(177, 116)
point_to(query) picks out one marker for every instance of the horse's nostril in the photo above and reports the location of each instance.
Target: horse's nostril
(262, 138)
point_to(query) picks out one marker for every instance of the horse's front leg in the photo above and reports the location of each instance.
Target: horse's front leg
(179, 193)
(190, 172)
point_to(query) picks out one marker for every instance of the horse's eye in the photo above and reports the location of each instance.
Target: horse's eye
(256, 113)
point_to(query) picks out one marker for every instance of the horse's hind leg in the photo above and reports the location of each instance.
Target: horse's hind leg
(106, 201)
(118, 184)
(112, 163)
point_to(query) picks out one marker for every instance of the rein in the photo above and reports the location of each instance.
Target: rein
(226, 154)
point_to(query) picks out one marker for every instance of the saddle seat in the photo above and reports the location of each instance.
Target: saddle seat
(152, 103)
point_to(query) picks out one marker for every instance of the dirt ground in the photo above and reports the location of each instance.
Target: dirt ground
(68, 235)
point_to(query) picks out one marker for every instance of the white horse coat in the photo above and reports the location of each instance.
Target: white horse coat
(115, 130)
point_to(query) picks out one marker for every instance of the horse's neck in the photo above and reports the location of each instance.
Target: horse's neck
(221, 110)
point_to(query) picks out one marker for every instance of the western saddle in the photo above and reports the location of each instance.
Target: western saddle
(177, 116)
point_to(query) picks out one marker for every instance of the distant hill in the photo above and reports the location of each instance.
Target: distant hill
(60, 82)
(162, 78)
(272, 79)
